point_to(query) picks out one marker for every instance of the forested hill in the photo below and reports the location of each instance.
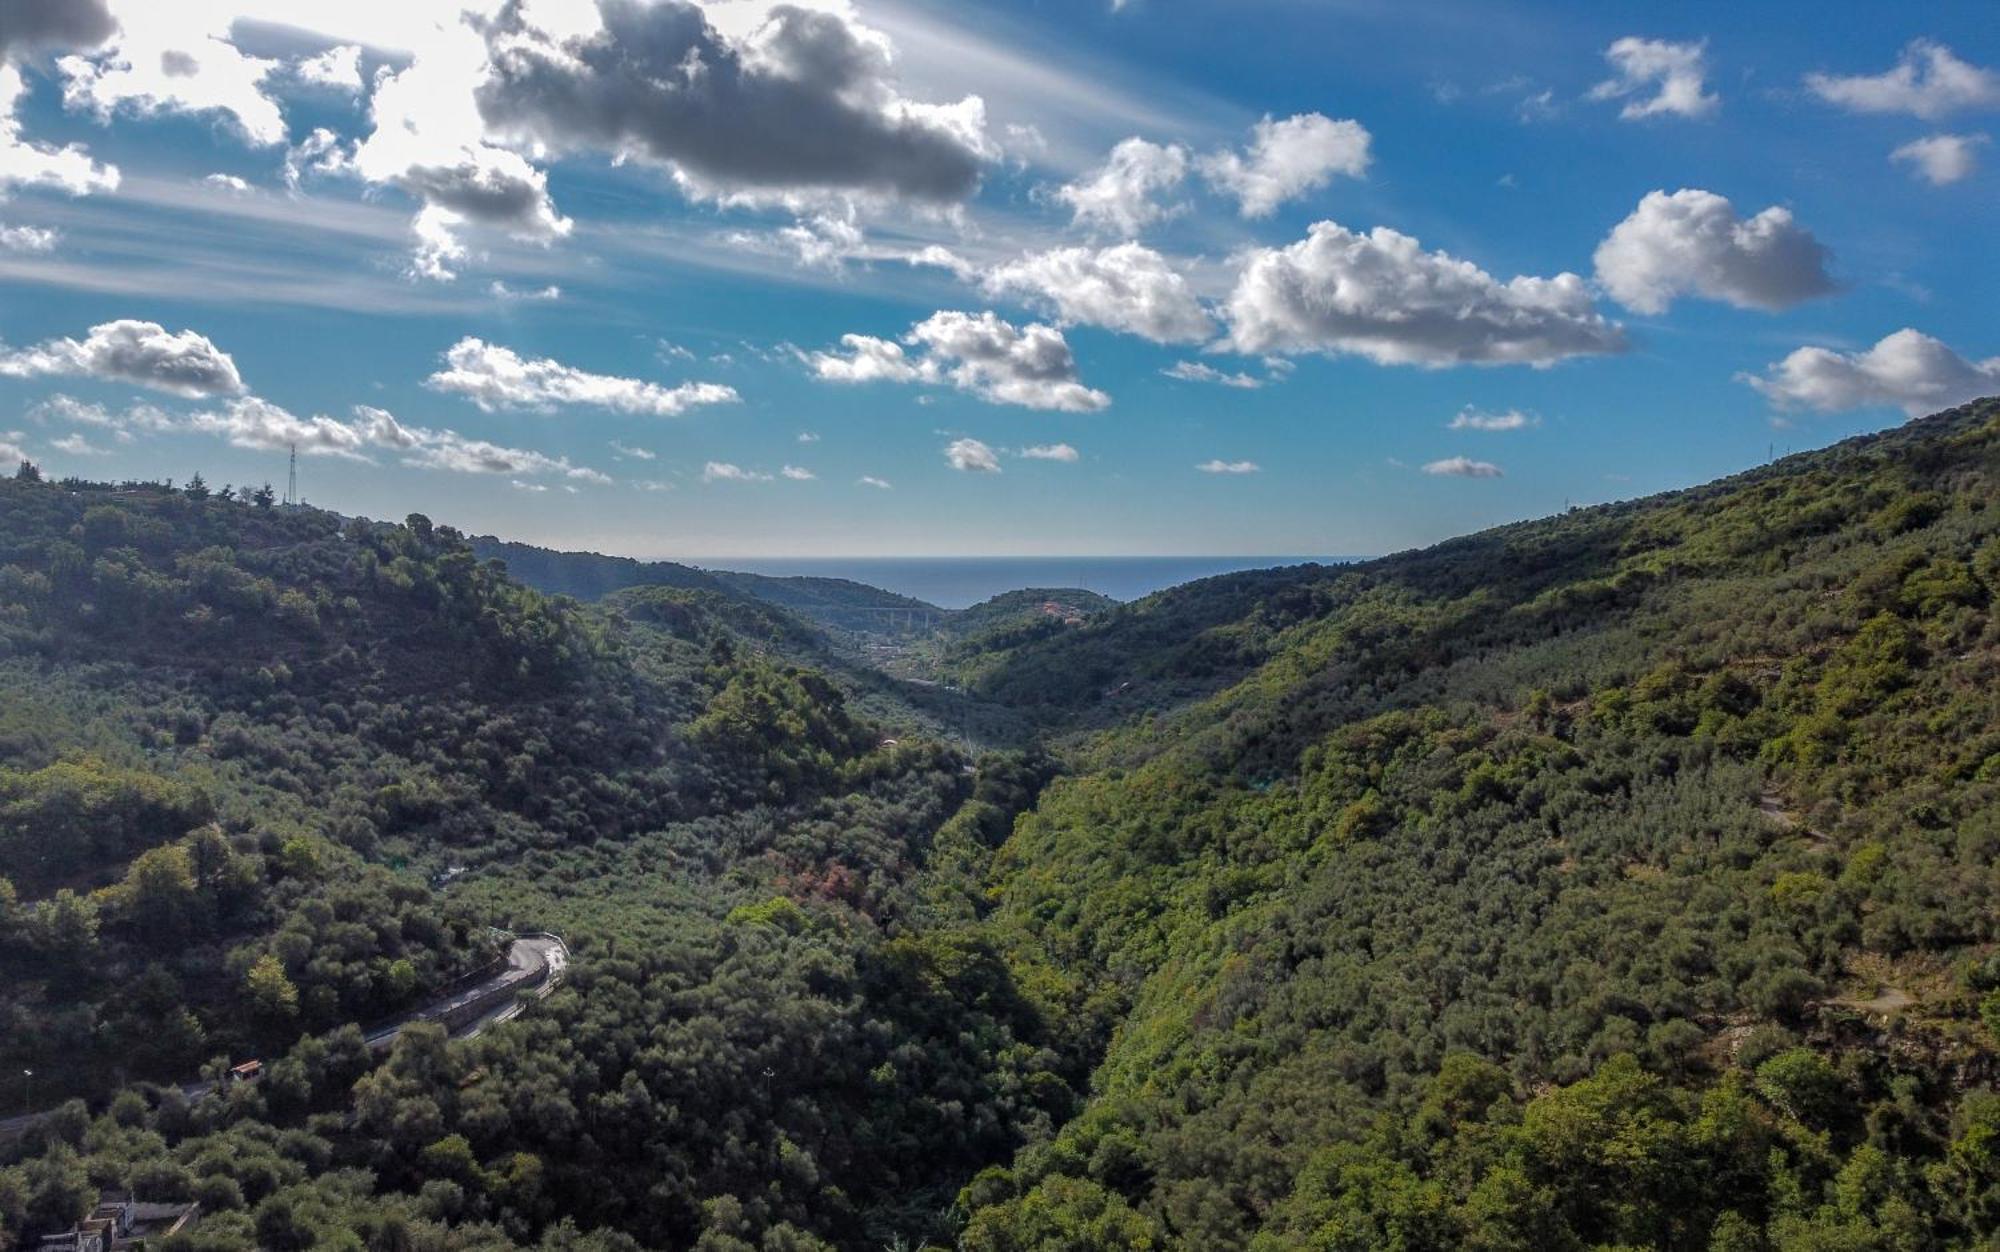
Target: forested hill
(586, 575)
(1624, 879)
(267, 776)
(836, 603)
(1621, 880)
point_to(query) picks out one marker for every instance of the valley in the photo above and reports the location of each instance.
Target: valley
(1624, 878)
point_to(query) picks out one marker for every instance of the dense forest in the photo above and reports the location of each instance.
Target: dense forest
(1624, 879)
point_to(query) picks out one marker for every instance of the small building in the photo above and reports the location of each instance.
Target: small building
(120, 1222)
(248, 1071)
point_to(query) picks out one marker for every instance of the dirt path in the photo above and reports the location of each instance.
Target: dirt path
(1887, 1000)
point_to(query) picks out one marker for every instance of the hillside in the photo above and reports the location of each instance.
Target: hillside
(240, 742)
(1625, 878)
(1622, 879)
(835, 604)
(586, 575)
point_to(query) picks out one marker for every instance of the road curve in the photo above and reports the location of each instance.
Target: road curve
(535, 964)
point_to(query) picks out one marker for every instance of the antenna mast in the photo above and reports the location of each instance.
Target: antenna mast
(292, 479)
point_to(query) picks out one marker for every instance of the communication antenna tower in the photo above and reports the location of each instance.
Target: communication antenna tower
(292, 479)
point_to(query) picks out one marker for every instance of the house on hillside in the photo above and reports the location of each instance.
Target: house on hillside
(119, 1222)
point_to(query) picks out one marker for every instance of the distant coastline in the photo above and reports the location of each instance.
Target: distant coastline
(958, 582)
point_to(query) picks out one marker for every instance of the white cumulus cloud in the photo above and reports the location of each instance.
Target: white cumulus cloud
(1927, 81)
(1287, 159)
(1656, 77)
(979, 353)
(806, 102)
(176, 58)
(147, 354)
(726, 472)
(972, 457)
(1462, 467)
(1908, 370)
(494, 377)
(35, 239)
(338, 67)
(1128, 288)
(250, 422)
(1050, 452)
(1941, 159)
(27, 163)
(1692, 243)
(1379, 295)
(1124, 195)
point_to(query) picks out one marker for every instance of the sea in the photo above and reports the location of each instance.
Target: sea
(960, 582)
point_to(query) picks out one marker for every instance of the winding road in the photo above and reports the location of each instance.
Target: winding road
(535, 963)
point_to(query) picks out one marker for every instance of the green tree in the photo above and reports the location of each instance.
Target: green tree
(271, 990)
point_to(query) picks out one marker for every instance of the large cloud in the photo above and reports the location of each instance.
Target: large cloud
(1380, 296)
(28, 26)
(449, 450)
(1692, 243)
(494, 377)
(1123, 195)
(254, 423)
(1672, 73)
(487, 186)
(428, 138)
(1927, 81)
(1288, 159)
(176, 58)
(26, 163)
(805, 103)
(1907, 369)
(979, 353)
(1128, 288)
(127, 351)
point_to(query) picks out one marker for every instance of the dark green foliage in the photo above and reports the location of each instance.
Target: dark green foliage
(1620, 880)
(1671, 805)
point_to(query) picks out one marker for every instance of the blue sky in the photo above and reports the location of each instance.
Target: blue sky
(888, 278)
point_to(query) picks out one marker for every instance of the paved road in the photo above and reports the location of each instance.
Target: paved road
(534, 962)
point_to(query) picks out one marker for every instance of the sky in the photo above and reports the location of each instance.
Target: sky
(1046, 277)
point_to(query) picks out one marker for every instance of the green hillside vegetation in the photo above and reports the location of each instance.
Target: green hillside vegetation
(245, 739)
(986, 637)
(835, 604)
(1624, 879)
(586, 575)
(839, 603)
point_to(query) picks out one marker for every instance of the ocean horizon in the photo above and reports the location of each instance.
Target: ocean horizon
(960, 582)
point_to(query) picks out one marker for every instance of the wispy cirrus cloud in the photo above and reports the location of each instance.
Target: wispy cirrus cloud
(1469, 418)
